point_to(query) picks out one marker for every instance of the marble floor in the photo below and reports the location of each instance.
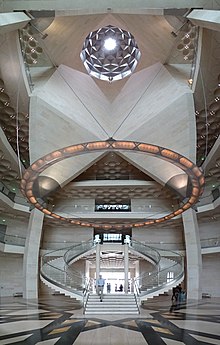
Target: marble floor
(59, 320)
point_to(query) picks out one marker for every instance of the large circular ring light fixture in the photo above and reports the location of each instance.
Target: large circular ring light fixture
(32, 173)
(110, 53)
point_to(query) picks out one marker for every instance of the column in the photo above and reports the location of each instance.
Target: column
(137, 274)
(126, 267)
(31, 254)
(87, 270)
(193, 255)
(97, 260)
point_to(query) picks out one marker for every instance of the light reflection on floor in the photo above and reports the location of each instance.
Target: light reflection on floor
(60, 320)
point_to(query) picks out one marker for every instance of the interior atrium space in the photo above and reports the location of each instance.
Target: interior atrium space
(109, 172)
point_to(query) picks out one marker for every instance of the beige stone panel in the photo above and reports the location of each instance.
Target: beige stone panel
(102, 6)
(209, 19)
(112, 335)
(50, 131)
(76, 96)
(171, 126)
(12, 21)
(158, 169)
(25, 326)
(147, 94)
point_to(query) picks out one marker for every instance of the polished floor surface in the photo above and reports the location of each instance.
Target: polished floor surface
(57, 320)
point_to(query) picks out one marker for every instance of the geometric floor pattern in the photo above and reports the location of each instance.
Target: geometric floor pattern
(59, 321)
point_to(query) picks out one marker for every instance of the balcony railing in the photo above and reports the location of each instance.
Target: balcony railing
(146, 250)
(14, 240)
(166, 274)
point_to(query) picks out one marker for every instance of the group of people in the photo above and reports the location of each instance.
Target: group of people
(120, 288)
(178, 296)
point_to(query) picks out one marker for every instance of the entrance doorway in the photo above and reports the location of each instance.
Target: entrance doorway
(115, 279)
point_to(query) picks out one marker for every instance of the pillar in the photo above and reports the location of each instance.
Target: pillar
(193, 255)
(126, 267)
(31, 254)
(98, 260)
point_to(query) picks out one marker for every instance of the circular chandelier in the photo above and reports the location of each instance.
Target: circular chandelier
(110, 53)
(31, 175)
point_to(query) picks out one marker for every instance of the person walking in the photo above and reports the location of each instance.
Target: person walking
(100, 283)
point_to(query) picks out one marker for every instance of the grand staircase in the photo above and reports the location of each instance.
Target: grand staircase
(112, 304)
(57, 273)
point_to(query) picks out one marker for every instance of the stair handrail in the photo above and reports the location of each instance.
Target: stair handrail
(60, 276)
(63, 277)
(154, 277)
(88, 289)
(150, 252)
(76, 250)
(66, 282)
(136, 294)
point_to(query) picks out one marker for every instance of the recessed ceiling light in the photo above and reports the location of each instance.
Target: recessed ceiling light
(110, 43)
(108, 58)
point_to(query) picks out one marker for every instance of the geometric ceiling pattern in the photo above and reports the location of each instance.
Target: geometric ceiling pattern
(113, 167)
(110, 53)
(16, 123)
(7, 173)
(116, 194)
(112, 259)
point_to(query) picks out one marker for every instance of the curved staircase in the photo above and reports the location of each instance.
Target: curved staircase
(57, 273)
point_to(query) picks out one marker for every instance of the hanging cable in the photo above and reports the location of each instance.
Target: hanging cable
(17, 122)
(17, 125)
(206, 115)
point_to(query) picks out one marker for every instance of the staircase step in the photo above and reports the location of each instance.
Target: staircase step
(110, 309)
(112, 304)
(113, 297)
(133, 303)
(103, 312)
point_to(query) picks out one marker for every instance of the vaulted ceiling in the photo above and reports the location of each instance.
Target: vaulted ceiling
(63, 105)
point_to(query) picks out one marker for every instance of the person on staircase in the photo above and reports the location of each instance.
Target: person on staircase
(100, 283)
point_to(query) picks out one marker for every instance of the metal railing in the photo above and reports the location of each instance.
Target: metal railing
(169, 271)
(210, 242)
(77, 250)
(55, 245)
(148, 251)
(55, 270)
(12, 239)
(13, 196)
